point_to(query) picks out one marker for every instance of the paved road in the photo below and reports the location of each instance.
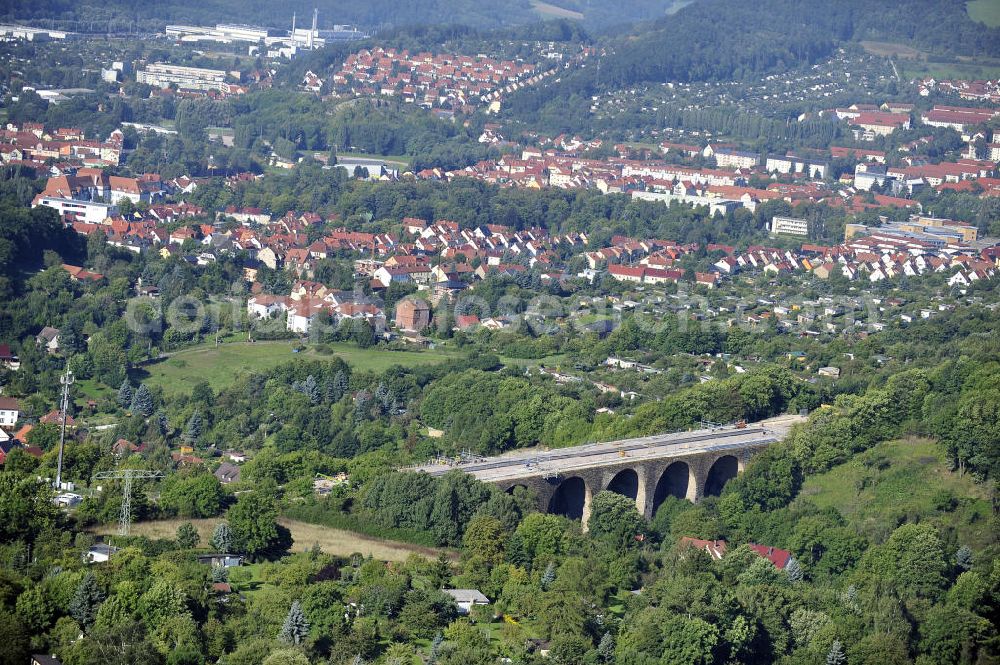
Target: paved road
(562, 461)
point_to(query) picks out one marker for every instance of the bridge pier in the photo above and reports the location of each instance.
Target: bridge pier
(699, 476)
(744, 458)
(588, 497)
(644, 495)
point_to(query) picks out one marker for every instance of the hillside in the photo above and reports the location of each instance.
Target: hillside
(88, 16)
(722, 40)
(900, 481)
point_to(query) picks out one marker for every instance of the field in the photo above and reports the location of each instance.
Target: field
(401, 161)
(84, 389)
(552, 11)
(979, 69)
(915, 64)
(985, 11)
(221, 365)
(304, 536)
(910, 483)
(890, 49)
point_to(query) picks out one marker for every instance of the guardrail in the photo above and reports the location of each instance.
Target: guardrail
(543, 463)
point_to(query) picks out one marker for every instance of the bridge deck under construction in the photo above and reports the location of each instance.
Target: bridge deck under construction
(561, 462)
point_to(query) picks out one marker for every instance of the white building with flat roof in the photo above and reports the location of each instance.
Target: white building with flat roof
(715, 205)
(222, 32)
(11, 32)
(789, 226)
(162, 74)
(91, 212)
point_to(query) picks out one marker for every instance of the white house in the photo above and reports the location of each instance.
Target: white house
(302, 315)
(958, 279)
(866, 176)
(264, 306)
(8, 358)
(9, 411)
(737, 159)
(466, 599)
(49, 338)
(387, 275)
(100, 553)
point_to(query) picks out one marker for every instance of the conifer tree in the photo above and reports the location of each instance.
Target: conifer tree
(339, 385)
(436, 644)
(222, 538)
(384, 398)
(963, 557)
(193, 431)
(125, 394)
(836, 655)
(296, 626)
(549, 576)
(187, 536)
(311, 389)
(162, 423)
(362, 406)
(142, 401)
(794, 570)
(219, 573)
(606, 648)
(86, 601)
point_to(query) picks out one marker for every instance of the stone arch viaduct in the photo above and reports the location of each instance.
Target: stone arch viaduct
(686, 465)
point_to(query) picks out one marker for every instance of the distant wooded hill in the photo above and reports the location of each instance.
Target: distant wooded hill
(91, 16)
(717, 40)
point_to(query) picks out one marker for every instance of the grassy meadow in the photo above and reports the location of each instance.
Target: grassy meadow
(221, 365)
(905, 480)
(985, 11)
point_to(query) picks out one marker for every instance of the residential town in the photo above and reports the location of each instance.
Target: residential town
(539, 333)
(435, 81)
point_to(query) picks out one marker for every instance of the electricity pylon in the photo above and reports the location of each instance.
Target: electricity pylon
(127, 476)
(66, 380)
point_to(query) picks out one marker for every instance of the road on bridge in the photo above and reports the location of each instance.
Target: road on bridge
(563, 461)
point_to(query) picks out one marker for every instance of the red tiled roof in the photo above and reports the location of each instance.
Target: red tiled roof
(715, 548)
(776, 556)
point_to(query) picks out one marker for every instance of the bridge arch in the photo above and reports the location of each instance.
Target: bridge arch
(722, 471)
(626, 483)
(515, 487)
(571, 499)
(674, 481)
